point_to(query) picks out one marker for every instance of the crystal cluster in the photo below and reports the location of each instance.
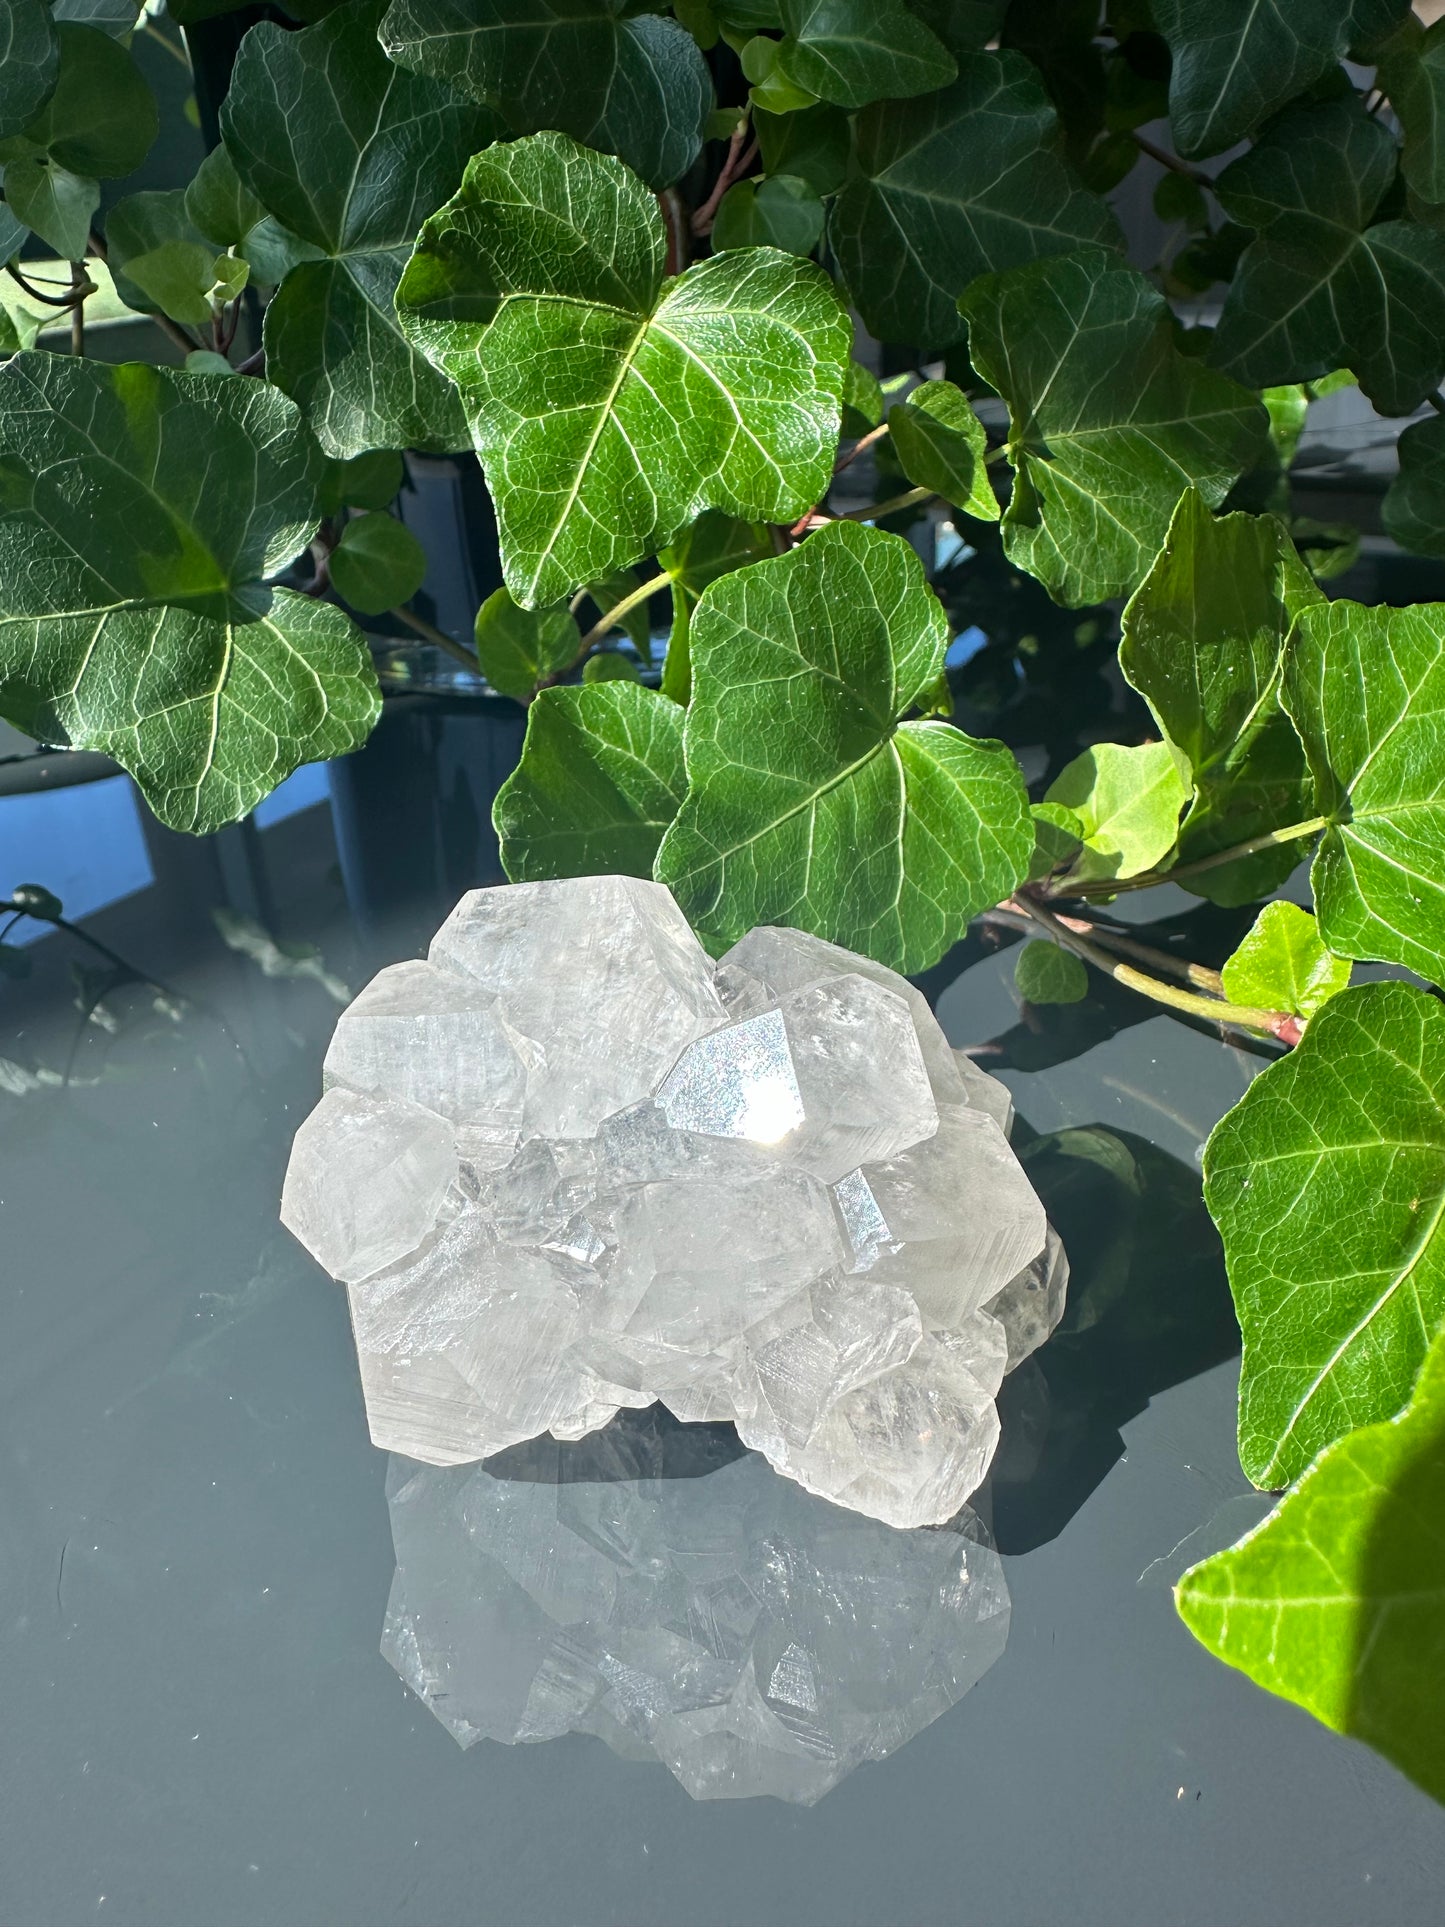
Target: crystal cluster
(754, 1639)
(569, 1165)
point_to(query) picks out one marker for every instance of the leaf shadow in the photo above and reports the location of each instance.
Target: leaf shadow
(1148, 1307)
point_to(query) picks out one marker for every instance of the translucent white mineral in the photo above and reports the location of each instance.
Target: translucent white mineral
(754, 1639)
(569, 1165)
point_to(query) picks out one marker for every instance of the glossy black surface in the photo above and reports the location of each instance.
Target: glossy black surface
(194, 1550)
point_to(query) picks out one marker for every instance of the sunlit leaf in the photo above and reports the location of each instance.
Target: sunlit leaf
(1126, 803)
(600, 779)
(812, 799)
(1203, 643)
(1109, 422)
(1327, 1182)
(134, 616)
(1337, 1601)
(1282, 964)
(941, 445)
(1366, 691)
(610, 407)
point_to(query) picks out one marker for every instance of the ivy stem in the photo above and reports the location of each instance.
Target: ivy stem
(864, 441)
(1437, 401)
(437, 637)
(733, 168)
(644, 592)
(82, 285)
(1272, 1023)
(1271, 839)
(877, 510)
(1199, 975)
(1172, 161)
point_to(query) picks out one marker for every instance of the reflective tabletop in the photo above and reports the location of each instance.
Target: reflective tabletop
(196, 1551)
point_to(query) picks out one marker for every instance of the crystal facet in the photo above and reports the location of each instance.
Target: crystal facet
(568, 1166)
(754, 1639)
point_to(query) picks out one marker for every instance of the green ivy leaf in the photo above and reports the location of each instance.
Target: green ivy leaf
(519, 648)
(1412, 73)
(1203, 643)
(350, 155)
(1327, 1182)
(610, 407)
(1414, 507)
(378, 564)
(780, 212)
(600, 779)
(811, 145)
(133, 614)
(1109, 422)
(221, 209)
(1283, 965)
(1126, 802)
(965, 182)
(713, 546)
(962, 25)
(1235, 62)
(771, 90)
(1058, 839)
(941, 446)
(1365, 688)
(158, 260)
(57, 204)
(862, 400)
(852, 52)
(630, 84)
(100, 120)
(1337, 1601)
(811, 801)
(1320, 286)
(1045, 973)
(29, 61)
(370, 481)
(608, 665)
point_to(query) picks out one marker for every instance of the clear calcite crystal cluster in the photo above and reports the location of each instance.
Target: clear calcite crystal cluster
(568, 1165)
(753, 1639)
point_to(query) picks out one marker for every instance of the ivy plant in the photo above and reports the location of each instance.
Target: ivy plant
(749, 309)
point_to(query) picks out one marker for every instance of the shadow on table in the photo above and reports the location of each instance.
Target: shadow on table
(1149, 1306)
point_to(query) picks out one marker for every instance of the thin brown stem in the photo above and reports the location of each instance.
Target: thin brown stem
(437, 637)
(1199, 975)
(863, 442)
(675, 221)
(1269, 1023)
(740, 156)
(81, 285)
(1172, 161)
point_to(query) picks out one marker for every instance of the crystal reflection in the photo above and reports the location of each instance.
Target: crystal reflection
(654, 1585)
